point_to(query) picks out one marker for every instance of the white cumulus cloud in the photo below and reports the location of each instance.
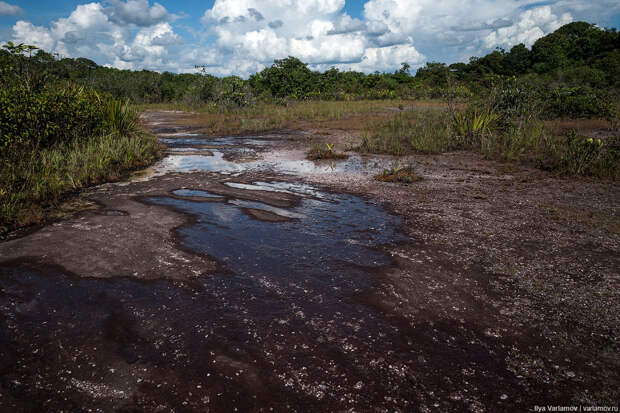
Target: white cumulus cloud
(25, 32)
(529, 27)
(136, 12)
(387, 58)
(318, 32)
(7, 9)
(127, 35)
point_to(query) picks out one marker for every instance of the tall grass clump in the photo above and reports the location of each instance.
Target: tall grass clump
(567, 153)
(121, 118)
(420, 130)
(472, 127)
(32, 181)
(530, 141)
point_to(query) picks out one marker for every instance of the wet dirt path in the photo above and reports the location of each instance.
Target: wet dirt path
(255, 294)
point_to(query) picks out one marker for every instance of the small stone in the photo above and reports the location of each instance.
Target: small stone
(503, 396)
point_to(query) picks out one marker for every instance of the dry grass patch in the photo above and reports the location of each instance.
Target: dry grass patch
(262, 117)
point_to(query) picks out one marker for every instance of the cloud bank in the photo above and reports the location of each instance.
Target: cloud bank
(126, 35)
(244, 36)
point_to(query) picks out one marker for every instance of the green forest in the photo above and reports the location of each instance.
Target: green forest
(575, 70)
(66, 123)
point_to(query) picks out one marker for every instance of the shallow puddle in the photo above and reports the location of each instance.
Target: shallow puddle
(264, 207)
(188, 163)
(197, 139)
(279, 325)
(340, 229)
(303, 167)
(190, 151)
(217, 163)
(294, 188)
(195, 192)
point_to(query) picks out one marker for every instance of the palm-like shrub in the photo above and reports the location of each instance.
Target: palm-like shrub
(120, 118)
(472, 125)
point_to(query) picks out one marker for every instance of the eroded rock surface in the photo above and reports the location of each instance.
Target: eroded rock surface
(237, 276)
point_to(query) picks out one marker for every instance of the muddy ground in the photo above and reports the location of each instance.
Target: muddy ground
(237, 276)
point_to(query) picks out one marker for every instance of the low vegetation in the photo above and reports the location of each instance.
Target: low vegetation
(265, 116)
(399, 174)
(32, 181)
(537, 142)
(57, 137)
(324, 151)
(505, 126)
(419, 130)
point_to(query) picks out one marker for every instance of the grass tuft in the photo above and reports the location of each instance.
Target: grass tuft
(399, 174)
(324, 151)
(32, 181)
(421, 130)
(471, 126)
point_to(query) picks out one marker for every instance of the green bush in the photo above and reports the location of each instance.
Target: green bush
(579, 152)
(30, 119)
(225, 93)
(516, 99)
(578, 102)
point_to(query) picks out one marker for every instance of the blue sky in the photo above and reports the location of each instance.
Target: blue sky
(244, 36)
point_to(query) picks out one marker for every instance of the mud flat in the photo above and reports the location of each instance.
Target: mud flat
(237, 276)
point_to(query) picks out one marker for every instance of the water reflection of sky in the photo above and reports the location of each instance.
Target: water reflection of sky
(216, 163)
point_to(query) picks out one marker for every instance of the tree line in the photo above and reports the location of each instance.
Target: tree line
(577, 61)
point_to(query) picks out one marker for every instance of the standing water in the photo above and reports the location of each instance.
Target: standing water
(281, 326)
